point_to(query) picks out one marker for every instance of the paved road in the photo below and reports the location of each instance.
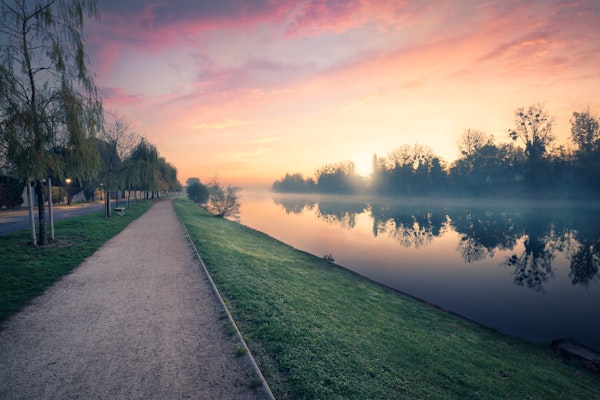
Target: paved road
(137, 320)
(15, 220)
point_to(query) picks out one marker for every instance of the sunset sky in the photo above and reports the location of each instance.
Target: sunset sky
(250, 90)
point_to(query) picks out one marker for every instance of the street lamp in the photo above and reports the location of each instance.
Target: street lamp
(68, 181)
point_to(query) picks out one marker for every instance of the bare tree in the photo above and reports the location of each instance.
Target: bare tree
(533, 127)
(223, 202)
(472, 141)
(116, 143)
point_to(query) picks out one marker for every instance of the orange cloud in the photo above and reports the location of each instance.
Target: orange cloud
(227, 124)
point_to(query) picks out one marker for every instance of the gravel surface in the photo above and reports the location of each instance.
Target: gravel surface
(137, 320)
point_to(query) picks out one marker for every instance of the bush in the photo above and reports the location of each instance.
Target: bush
(11, 192)
(198, 193)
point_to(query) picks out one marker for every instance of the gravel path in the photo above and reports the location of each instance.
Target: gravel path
(136, 320)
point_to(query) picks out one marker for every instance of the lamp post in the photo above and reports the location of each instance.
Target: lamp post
(68, 181)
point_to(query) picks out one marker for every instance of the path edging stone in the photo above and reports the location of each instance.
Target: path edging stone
(255, 366)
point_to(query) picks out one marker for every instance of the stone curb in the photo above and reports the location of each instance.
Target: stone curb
(255, 366)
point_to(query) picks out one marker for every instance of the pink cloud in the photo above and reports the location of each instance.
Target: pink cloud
(315, 17)
(152, 25)
(117, 97)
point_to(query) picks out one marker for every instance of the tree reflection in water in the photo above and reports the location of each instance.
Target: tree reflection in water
(294, 205)
(584, 262)
(535, 237)
(408, 226)
(534, 266)
(342, 214)
(484, 231)
(585, 250)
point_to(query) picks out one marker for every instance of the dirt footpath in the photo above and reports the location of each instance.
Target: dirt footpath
(136, 320)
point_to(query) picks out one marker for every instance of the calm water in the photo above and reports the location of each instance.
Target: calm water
(529, 270)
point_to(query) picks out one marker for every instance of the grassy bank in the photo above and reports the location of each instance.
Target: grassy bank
(26, 271)
(319, 331)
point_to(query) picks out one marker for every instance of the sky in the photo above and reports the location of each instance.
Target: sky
(249, 90)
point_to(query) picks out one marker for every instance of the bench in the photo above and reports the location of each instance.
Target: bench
(120, 210)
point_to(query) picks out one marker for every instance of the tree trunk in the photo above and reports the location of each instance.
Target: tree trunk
(50, 210)
(107, 203)
(128, 194)
(107, 198)
(39, 189)
(30, 209)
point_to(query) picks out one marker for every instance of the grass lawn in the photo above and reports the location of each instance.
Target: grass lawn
(26, 271)
(319, 331)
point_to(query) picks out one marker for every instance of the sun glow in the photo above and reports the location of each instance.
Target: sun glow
(363, 164)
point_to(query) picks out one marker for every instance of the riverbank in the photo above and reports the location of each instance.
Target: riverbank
(318, 330)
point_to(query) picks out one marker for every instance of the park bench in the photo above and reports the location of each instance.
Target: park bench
(120, 210)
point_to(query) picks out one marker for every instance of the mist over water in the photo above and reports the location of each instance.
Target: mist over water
(528, 268)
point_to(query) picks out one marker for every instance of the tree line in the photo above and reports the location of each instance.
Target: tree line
(530, 164)
(52, 123)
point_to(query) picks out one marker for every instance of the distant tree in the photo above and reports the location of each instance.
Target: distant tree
(585, 133)
(145, 159)
(143, 170)
(424, 164)
(197, 192)
(294, 183)
(487, 169)
(407, 170)
(340, 178)
(165, 177)
(533, 127)
(469, 145)
(192, 180)
(471, 141)
(399, 170)
(169, 173)
(438, 176)
(223, 202)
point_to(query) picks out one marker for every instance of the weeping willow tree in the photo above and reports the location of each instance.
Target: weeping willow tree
(144, 159)
(46, 90)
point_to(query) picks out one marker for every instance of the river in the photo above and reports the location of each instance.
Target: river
(530, 269)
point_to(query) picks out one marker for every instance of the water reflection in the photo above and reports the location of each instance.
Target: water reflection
(409, 226)
(584, 251)
(295, 205)
(342, 214)
(484, 231)
(584, 262)
(534, 237)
